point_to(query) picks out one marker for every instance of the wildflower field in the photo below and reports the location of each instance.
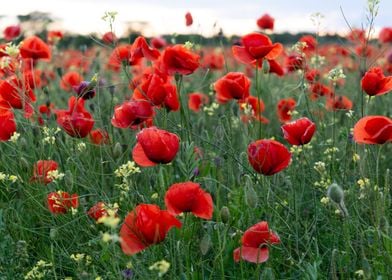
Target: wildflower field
(150, 158)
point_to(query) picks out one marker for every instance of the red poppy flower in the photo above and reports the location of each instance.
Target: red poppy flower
(140, 49)
(196, 100)
(158, 42)
(132, 113)
(310, 41)
(60, 202)
(364, 50)
(312, 75)
(257, 106)
(18, 94)
(373, 130)
(189, 197)
(154, 88)
(188, 19)
(268, 156)
(213, 61)
(109, 38)
(54, 36)
(99, 137)
(275, 67)
(7, 121)
(375, 83)
(146, 225)
(11, 32)
(266, 22)
(256, 46)
(99, 210)
(155, 146)
(299, 132)
(285, 108)
(33, 78)
(318, 89)
(295, 62)
(70, 80)
(234, 85)
(85, 89)
(385, 35)
(357, 35)
(41, 169)
(45, 111)
(180, 60)
(34, 48)
(339, 103)
(121, 54)
(76, 121)
(255, 242)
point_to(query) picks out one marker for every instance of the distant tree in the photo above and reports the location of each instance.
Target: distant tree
(35, 22)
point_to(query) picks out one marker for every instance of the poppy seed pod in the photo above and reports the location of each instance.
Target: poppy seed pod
(225, 214)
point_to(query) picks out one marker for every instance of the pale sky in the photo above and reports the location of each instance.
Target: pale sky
(167, 16)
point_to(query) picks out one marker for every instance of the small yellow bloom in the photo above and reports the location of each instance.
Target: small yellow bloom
(324, 200)
(161, 266)
(14, 138)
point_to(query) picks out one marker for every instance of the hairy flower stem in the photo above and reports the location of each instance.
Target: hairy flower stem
(258, 92)
(185, 125)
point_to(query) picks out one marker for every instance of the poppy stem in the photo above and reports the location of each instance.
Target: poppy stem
(184, 119)
(258, 93)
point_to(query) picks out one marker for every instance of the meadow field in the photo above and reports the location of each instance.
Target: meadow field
(157, 158)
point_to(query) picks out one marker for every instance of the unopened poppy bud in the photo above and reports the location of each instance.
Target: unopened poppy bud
(335, 193)
(53, 233)
(267, 274)
(85, 89)
(68, 178)
(24, 163)
(384, 225)
(266, 66)
(251, 197)
(117, 150)
(366, 268)
(23, 142)
(205, 244)
(225, 214)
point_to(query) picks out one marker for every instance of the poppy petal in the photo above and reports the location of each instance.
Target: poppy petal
(140, 157)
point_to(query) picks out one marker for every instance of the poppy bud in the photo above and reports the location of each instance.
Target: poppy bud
(266, 66)
(24, 163)
(366, 268)
(53, 233)
(117, 150)
(335, 193)
(267, 274)
(225, 214)
(68, 178)
(85, 89)
(205, 244)
(23, 142)
(251, 197)
(384, 225)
